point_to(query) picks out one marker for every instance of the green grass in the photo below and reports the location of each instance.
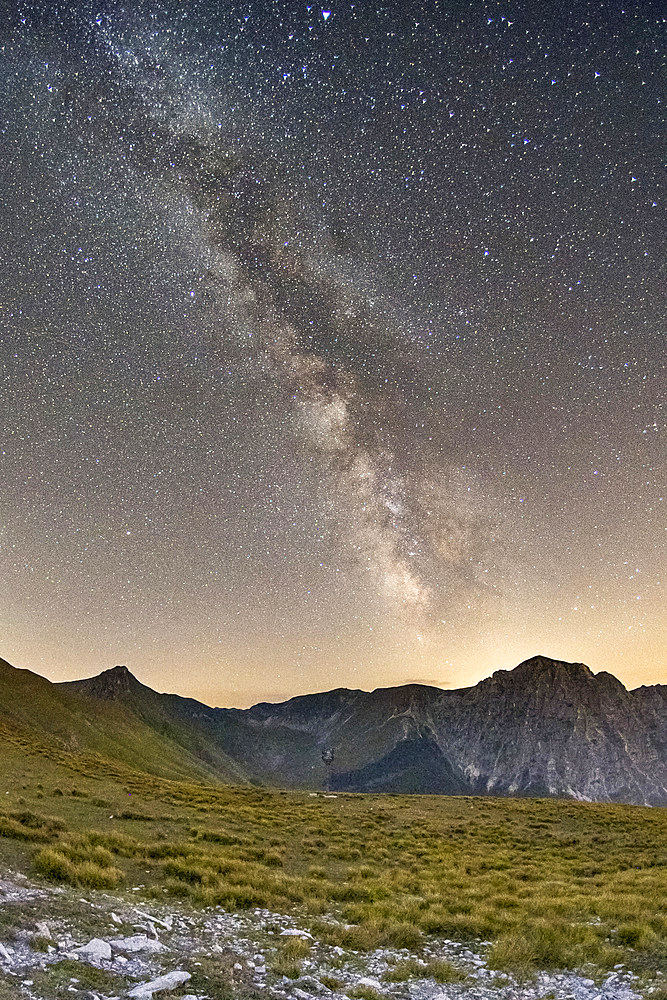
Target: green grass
(553, 884)
(439, 969)
(55, 980)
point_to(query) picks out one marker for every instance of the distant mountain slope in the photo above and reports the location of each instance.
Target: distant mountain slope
(45, 714)
(545, 728)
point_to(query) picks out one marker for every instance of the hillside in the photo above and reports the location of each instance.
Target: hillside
(57, 719)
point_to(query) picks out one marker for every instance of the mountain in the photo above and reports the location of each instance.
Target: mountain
(545, 728)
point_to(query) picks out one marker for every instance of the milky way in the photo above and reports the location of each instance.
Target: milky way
(332, 343)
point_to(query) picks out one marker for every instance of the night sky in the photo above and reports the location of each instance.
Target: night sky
(332, 342)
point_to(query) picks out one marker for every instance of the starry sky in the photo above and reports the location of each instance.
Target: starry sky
(332, 342)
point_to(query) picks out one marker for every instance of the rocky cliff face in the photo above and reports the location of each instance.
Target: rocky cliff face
(545, 728)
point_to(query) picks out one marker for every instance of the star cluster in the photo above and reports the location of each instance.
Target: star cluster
(332, 342)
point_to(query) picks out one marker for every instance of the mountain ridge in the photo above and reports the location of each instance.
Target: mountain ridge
(545, 728)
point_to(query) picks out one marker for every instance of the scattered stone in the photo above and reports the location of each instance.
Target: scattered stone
(97, 950)
(294, 932)
(145, 991)
(137, 943)
(167, 922)
(371, 984)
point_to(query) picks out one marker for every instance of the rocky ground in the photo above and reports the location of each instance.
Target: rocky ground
(54, 943)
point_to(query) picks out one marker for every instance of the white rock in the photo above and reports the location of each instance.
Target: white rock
(116, 919)
(4, 954)
(372, 984)
(293, 932)
(301, 994)
(145, 991)
(137, 943)
(43, 929)
(148, 928)
(167, 923)
(97, 950)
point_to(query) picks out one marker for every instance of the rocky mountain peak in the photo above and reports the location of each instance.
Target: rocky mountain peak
(545, 665)
(111, 684)
(542, 671)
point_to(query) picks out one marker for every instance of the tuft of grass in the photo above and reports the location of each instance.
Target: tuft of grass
(283, 966)
(402, 971)
(54, 866)
(439, 969)
(551, 945)
(295, 947)
(60, 866)
(39, 943)
(291, 952)
(331, 983)
(636, 935)
(444, 972)
(364, 993)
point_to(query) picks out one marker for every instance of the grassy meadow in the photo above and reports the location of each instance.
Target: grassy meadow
(552, 884)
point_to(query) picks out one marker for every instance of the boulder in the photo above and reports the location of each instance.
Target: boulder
(138, 943)
(97, 950)
(163, 984)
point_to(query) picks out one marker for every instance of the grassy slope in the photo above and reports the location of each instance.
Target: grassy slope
(47, 715)
(552, 883)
